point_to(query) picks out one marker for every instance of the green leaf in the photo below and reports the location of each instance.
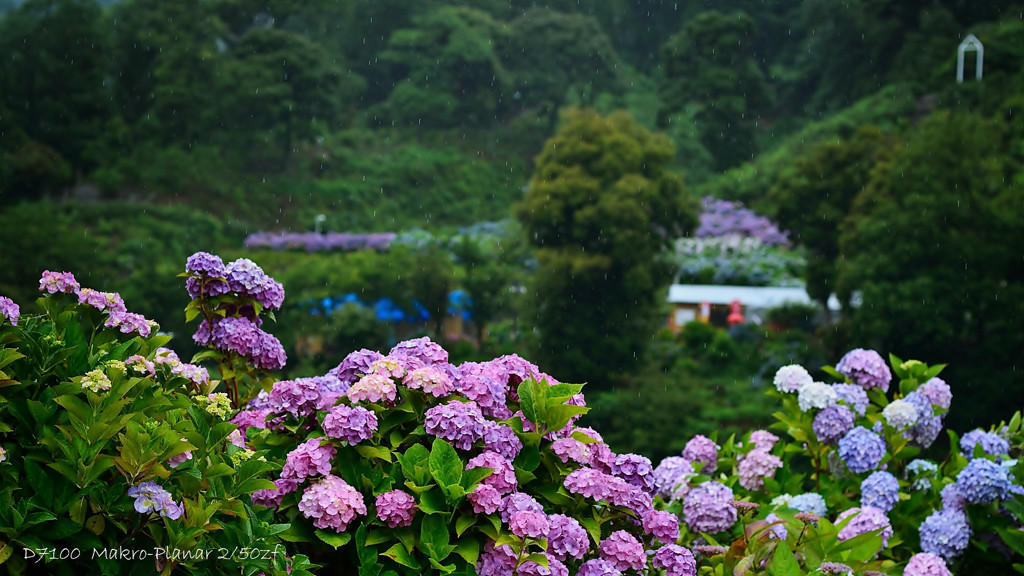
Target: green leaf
(399, 554)
(783, 562)
(533, 398)
(445, 465)
(377, 537)
(593, 527)
(528, 458)
(559, 415)
(434, 537)
(463, 522)
(334, 539)
(473, 476)
(564, 390)
(469, 549)
(415, 464)
(371, 452)
(446, 568)
(433, 502)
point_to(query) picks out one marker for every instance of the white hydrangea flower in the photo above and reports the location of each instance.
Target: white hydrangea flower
(791, 378)
(781, 500)
(96, 380)
(900, 414)
(816, 395)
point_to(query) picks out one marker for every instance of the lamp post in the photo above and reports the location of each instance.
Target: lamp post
(318, 221)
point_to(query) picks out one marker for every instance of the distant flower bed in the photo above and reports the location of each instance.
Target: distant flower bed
(724, 218)
(314, 242)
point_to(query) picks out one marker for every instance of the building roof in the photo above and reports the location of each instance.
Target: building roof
(749, 296)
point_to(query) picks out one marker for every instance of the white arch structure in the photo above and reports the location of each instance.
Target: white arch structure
(971, 43)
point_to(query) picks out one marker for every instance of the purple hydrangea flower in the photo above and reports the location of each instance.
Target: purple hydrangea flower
(601, 457)
(791, 378)
(835, 569)
(485, 384)
(928, 425)
(983, 481)
(661, 524)
(54, 282)
(853, 396)
(373, 388)
(527, 524)
(496, 560)
(865, 368)
(862, 520)
(598, 567)
(179, 459)
(589, 483)
(991, 443)
(111, 302)
(571, 449)
(531, 568)
(763, 439)
(952, 499)
(419, 352)
(925, 564)
(244, 337)
(776, 527)
(461, 423)
(880, 490)
(833, 423)
(388, 367)
(635, 469)
(332, 503)
(485, 499)
(503, 477)
(309, 459)
(396, 507)
(298, 397)
(206, 264)
(518, 502)
(246, 278)
(675, 561)
(209, 279)
(501, 438)
(755, 466)
(937, 392)
(671, 475)
(707, 508)
(352, 424)
(701, 449)
(623, 550)
(355, 366)
(945, 533)
(9, 310)
(861, 449)
(271, 498)
(566, 538)
(150, 497)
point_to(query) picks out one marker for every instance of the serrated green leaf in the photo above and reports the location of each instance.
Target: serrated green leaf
(473, 476)
(399, 554)
(463, 522)
(415, 464)
(533, 398)
(469, 549)
(434, 537)
(371, 452)
(558, 416)
(445, 465)
(433, 502)
(446, 568)
(334, 539)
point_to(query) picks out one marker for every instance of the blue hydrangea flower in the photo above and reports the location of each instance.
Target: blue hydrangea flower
(853, 396)
(833, 423)
(809, 502)
(881, 490)
(945, 533)
(861, 449)
(983, 481)
(928, 424)
(920, 472)
(991, 443)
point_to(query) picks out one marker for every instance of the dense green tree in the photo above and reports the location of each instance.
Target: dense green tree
(52, 75)
(486, 279)
(430, 281)
(932, 248)
(553, 53)
(599, 209)
(814, 196)
(450, 70)
(710, 72)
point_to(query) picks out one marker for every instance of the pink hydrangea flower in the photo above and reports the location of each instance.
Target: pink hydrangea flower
(309, 459)
(396, 507)
(373, 388)
(332, 503)
(623, 550)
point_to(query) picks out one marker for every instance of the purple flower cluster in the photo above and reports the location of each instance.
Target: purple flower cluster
(852, 396)
(396, 507)
(861, 449)
(503, 477)
(566, 538)
(485, 383)
(671, 475)
(992, 444)
(598, 567)
(529, 524)
(928, 425)
(461, 423)
(299, 397)
(352, 424)
(937, 392)
(708, 508)
(701, 449)
(763, 439)
(755, 466)
(418, 352)
(635, 469)
(332, 503)
(623, 551)
(150, 497)
(243, 336)
(54, 282)
(598, 485)
(675, 561)
(865, 368)
(246, 278)
(983, 481)
(9, 310)
(880, 490)
(518, 502)
(314, 242)
(862, 520)
(661, 524)
(833, 423)
(925, 564)
(571, 449)
(501, 438)
(946, 533)
(431, 380)
(485, 499)
(724, 218)
(496, 560)
(355, 366)
(311, 458)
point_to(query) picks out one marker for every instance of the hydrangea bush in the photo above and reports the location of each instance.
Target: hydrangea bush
(849, 492)
(115, 455)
